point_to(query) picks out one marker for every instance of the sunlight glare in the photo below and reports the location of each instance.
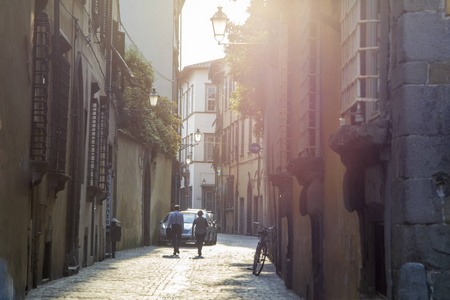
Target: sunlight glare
(197, 38)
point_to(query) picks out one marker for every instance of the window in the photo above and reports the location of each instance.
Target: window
(188, 102)
(232, 141)
(250, 131)
(242, 136)
(59, 114)
(224, 145)
(186, 106)
(228, 144)
(209, 201)
(225, 93)
(236, 140)
(360, 36)
(210, 98)
(209, 146)
(231, 88)
(192, 97)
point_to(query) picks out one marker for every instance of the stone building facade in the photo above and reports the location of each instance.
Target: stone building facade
(356, 153)
(238, 159)
(63, 71)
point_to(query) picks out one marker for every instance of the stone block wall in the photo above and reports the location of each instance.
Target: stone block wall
(420, 110)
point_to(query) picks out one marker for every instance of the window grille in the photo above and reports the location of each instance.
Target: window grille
(96, 14)
(100, 15)
(103, 151)
(94, 145)
(119, 45)
(41, 45)
(360, 36)
(309, 142)
(59, 114)
(104, 19)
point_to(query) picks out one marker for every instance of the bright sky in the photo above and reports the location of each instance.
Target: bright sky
(197, 37)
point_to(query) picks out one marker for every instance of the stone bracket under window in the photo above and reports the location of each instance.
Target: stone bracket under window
(359, 147)
(56, 181)
(98, 193)
(283, 181)
(309, 172)
(38, 170)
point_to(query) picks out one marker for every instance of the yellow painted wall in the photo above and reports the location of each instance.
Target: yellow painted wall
(161, 182)
(129, 191)
(341, 228)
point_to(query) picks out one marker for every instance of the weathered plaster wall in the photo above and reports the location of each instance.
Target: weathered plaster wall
(129, 190)
(161, 182)
(15, 91)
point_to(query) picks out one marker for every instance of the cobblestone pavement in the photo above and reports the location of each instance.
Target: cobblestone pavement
(153, 273)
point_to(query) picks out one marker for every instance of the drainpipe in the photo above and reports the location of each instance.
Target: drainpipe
(388, 229)
(56, 43)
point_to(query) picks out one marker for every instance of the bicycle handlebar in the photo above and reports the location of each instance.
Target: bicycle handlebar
(265, 228)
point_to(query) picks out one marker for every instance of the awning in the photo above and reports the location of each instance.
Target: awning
(125, 69)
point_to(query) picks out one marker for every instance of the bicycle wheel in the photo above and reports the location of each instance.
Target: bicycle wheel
(259, 259)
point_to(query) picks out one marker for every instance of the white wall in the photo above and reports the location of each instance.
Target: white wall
(198, 118)
(150, 24)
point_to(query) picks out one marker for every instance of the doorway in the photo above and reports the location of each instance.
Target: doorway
(146, 207)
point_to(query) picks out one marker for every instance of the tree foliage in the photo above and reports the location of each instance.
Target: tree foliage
(248, 63)
(156, 125)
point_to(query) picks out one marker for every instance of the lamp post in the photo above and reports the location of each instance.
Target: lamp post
(153, 98)
(219, 23)
(188, 159)
(197, 139)
(185, 167)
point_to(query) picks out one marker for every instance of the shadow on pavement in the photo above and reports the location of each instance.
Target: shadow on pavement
(171, 256)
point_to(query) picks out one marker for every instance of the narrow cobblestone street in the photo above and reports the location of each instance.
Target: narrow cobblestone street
(153, 273)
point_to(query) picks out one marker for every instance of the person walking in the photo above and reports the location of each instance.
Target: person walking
(176, 224)
(199, 225)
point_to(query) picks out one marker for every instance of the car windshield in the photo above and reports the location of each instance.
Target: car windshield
(189, 218)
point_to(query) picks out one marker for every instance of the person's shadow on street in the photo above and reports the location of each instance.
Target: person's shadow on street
(170, 256)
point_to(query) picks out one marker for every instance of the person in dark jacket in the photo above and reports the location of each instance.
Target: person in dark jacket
(199, 225)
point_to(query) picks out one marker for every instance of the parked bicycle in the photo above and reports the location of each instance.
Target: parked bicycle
(261, 249)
